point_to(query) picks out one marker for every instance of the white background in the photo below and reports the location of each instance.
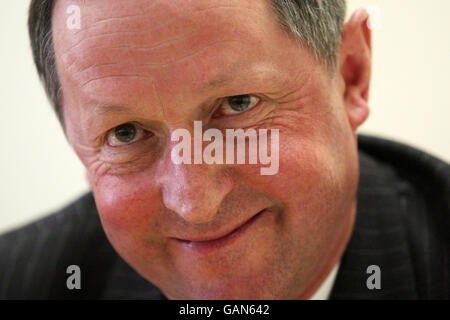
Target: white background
(409, 101)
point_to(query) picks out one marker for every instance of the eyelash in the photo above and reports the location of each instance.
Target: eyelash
(218, 110)
(141, 133)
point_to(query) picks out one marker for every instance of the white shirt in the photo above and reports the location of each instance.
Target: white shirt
(323, 293)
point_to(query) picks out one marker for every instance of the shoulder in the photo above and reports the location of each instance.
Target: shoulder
(428, 173)
(402, 223)
(420, 180)
(34, 258)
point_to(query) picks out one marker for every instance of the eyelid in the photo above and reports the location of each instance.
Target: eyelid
(141, 133)
(233, 113)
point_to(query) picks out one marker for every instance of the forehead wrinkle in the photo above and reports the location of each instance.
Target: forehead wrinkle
(136, 25)
(190, 55)
(123, 30)
(99, 71)
(157, 27)
(180, 29)
(71, 55)
(121, 18)
(123, 36)
(115, 76)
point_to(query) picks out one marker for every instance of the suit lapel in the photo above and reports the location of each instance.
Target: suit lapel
(378, 238)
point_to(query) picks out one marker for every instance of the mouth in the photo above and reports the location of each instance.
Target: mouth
(222, 240)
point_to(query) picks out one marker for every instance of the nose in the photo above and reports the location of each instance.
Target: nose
(193, 191)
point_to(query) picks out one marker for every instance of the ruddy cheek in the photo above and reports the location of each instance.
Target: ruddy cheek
(128, 203)
(113, 204)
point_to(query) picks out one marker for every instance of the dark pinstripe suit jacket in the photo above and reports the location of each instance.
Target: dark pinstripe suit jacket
(402, 225)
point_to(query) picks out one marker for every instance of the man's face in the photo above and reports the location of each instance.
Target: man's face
(161, 65)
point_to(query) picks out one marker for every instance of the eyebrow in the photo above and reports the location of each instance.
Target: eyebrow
(221, 79)
(216, 82)
(103, 110)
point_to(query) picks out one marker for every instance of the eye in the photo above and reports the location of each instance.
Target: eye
(238, 104)
(124, 134)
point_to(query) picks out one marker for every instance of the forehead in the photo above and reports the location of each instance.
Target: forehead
(175, 42)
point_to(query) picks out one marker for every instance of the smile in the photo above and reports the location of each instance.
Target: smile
(220, 241)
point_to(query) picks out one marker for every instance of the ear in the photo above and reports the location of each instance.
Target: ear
(355, 67)
(87, 176)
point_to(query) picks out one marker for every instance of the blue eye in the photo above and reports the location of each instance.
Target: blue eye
(239, 104)
(124, 134)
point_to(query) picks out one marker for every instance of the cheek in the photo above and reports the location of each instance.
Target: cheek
(316, 182)
(128, 209)
(131, 217)
(308, 166)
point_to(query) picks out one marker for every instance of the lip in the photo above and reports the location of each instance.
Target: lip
(221, 241)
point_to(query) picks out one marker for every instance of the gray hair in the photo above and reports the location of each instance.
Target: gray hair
(316, 23)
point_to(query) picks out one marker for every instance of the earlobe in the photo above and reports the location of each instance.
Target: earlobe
(357, 108)
(355, 67)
